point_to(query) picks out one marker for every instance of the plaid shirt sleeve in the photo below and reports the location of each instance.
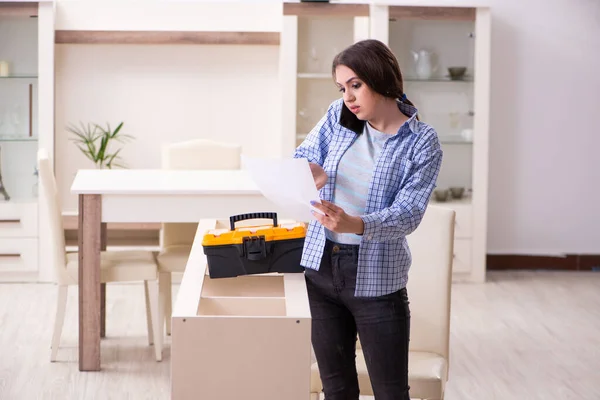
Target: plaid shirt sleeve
(404, 215)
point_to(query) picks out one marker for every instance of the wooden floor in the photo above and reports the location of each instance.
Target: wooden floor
(522, 335)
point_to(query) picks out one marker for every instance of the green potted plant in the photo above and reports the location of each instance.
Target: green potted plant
(94, 141)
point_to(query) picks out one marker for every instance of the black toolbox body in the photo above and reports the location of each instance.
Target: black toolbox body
(254, 250)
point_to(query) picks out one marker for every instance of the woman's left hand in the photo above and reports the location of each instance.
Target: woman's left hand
(336, 219)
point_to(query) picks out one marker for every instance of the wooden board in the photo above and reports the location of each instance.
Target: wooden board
(326, 9)
(19, 9)
(239, 338)
(433, 13)
(70, 223)
(165, 37)
(231, 358)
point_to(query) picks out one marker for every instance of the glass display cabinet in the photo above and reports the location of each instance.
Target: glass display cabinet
(444, 55)
(26, 110)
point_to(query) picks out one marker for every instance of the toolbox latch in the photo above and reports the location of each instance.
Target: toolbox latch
(255, 248)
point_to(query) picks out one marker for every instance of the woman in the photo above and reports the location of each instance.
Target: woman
(376, 165)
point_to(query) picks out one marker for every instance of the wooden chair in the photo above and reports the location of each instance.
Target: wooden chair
(115, 266)
(177, 238)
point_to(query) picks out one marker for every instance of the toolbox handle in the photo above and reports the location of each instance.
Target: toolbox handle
(259, 215)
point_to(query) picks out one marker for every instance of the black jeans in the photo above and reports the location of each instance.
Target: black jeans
(382, 323)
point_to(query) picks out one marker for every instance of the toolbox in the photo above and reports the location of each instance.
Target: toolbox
(254, 249)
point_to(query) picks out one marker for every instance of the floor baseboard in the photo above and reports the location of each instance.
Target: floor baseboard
(569, 262)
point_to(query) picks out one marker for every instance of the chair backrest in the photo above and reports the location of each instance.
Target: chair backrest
(201, 154)
(57, 233)
(195, 154)
(430, 280)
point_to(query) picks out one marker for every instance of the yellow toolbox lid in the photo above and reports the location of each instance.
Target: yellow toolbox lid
(220, 237)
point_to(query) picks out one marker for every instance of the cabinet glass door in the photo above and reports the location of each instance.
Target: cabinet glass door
(437, 61)
(18, 108)
(319, 40)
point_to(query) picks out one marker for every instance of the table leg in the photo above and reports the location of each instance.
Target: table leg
(90, 210)
(103, 286)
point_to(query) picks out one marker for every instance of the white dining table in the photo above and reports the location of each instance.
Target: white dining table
(146, 195)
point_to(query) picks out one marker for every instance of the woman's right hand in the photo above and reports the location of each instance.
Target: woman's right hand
(318, 174)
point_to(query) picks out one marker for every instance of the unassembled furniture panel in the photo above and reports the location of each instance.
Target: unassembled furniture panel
(240, 338)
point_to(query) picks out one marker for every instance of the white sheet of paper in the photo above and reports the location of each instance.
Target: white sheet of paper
(286, 182)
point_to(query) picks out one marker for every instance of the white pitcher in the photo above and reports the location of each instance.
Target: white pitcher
(424, 64)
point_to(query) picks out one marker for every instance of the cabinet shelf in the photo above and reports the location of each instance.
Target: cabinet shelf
(27, 76)
(22, 200)
(314, 75)
(466, 79)
(467, 201)
(454, 140)
(4, 139)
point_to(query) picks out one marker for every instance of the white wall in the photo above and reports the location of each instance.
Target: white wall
(165, 94)
(545, 131)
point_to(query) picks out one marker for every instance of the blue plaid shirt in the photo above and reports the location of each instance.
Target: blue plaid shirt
(404, 176)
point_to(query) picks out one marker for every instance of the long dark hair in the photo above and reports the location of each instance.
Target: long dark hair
(374, 64)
